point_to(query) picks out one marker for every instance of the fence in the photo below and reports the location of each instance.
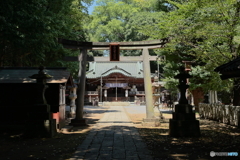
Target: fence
(227, 114)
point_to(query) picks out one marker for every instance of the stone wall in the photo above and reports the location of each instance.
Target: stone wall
(227, 114)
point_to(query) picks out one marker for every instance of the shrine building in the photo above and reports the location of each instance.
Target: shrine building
(121, 82)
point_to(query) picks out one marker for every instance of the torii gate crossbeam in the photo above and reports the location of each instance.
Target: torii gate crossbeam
(137, 45)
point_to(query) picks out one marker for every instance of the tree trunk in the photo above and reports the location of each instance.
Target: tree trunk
(198, 96)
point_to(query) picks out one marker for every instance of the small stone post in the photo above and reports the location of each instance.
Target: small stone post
(105, 94)
(183, 122)
(41, 122)
(126, 94)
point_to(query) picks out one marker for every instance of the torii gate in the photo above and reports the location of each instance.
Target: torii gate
(82, 58)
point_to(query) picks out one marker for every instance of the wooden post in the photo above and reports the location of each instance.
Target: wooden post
(147, 84)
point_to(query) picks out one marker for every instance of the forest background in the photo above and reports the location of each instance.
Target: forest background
(205, 32)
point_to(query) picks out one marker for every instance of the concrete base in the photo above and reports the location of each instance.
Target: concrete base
(151, 122)
(78, 122)
(184, 123)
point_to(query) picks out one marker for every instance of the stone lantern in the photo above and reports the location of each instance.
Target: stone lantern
(183, 123)
(156, 90)
(41, 122)
(41, 86)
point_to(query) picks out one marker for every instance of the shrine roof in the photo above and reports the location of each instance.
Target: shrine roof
(230, 69)
(21, 74)
(128, 69)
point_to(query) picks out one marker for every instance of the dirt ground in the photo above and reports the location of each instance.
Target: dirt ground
(14, 147)
(215, 136)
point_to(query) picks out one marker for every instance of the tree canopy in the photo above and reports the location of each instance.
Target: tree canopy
(30, 30)
(206, 32)
(119, 20)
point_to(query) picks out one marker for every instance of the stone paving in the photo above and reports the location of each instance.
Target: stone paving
(114, 137)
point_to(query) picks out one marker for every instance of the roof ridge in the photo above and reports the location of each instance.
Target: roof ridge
(116, 68)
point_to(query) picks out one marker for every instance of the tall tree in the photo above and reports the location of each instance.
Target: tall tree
(30, 29)
(201, 31)
(120, 20)
(206, 32)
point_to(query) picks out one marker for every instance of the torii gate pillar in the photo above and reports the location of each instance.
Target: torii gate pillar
(147, 84)
(150, 119)
(79, 120)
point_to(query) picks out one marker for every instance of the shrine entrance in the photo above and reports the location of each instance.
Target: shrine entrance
(115, 82)
(114, 57)
(115, 94)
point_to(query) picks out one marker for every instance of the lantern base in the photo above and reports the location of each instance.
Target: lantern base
(184, 123)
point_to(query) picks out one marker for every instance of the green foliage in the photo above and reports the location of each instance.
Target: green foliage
(207, 80)
(30, 30)
(120, 21)
(206, 32)
(109, 20)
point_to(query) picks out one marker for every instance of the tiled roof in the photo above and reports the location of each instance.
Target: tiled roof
(129, 69)
(21, 74)
(230, 69)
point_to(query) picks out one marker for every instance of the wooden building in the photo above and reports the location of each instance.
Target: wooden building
(18, 94)
(120, 81)
(231, 70)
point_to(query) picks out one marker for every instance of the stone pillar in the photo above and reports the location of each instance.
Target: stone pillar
(60, 96)
(150, 118)
(147, 84)
(79, 120)
(105, 94)
(212, 96)
(126, 94)
(40, 121)
(73, 97)
(63, 95)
